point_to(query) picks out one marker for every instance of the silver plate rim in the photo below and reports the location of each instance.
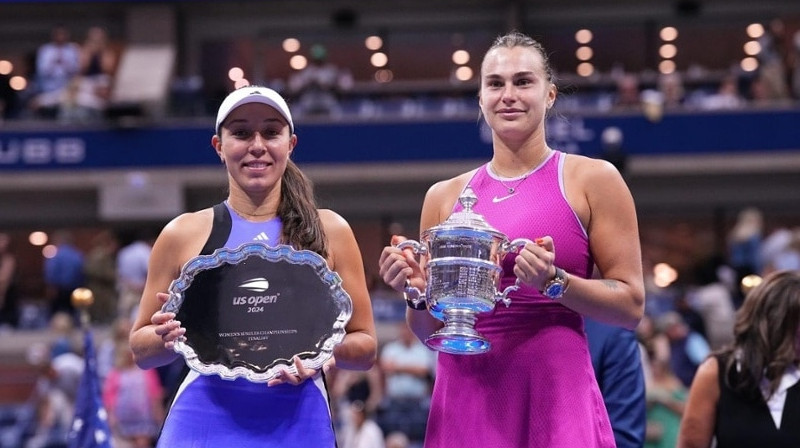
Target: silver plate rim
(279, 253)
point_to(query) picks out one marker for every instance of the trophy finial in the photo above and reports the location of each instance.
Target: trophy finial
(468, 199)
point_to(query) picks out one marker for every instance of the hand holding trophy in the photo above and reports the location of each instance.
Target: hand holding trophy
(463, 273)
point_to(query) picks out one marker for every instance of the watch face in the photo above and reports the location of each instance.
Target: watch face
(554, 290)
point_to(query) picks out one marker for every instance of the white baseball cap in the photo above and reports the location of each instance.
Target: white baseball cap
(254, 94)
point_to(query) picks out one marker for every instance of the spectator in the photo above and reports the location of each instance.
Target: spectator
(691, 317)
(132, 262)
(773, 67)
(628, 94)
(350, 386)
(107, 349)
(781, 250)
(397, 439)
(86, 96)
(57, 63)
(687, 349)
(654, 344)
(318, 86)
(746, 394)
(714, 301)
(408, 366)
(618, 367)
(666, 399)
(727, 96)
(63, 272)
(9, 298)
(54, 397)
(62, 327)
(100, 270)
(744, 242)
(134, 400)
(363, 432)
(672, 90)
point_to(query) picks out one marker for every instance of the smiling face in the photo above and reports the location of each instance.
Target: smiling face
(255, 144)
(515, 91)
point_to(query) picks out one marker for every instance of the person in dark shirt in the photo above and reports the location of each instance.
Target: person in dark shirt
(617, 363)
(747, 394)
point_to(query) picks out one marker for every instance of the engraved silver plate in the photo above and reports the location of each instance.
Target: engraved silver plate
(248, 311)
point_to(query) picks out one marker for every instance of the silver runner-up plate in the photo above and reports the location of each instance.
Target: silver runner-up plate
(248, 311)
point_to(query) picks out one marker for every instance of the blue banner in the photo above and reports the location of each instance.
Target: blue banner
(341, 143)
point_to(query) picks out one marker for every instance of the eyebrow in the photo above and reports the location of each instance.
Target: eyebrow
(515, 75)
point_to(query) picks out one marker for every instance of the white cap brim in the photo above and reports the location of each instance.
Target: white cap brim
(253, 94)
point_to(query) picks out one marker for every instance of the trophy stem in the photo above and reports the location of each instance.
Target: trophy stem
(458, 336)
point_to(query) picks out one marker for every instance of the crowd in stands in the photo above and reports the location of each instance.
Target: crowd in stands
(73, 83)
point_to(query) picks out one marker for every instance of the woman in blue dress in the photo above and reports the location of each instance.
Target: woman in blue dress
(269, 200)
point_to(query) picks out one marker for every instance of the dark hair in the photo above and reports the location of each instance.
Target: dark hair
(765, 335)
(298, 212)
(517, 39)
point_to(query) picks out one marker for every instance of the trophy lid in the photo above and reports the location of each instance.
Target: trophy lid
(466, 218)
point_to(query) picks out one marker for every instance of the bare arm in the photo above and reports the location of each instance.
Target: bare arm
(153, 333)
(600, 197)
(699, 416)
(359, 348)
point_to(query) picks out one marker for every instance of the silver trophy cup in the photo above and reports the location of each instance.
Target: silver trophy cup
(463, 274)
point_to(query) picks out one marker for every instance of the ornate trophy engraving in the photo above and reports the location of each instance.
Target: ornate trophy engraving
(248, 311)
(463, 273)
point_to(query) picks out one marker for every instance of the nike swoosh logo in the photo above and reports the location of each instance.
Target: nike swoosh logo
(503, 198)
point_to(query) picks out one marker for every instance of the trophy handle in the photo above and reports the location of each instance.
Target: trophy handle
(413, 294)
(513, 246)
(418, 248)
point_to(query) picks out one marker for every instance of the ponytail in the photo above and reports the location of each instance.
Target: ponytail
(298, 212)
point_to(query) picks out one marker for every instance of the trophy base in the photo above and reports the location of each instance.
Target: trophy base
(458, 344)
(458, 337)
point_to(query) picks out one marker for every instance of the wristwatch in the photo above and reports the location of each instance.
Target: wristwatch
(413, 298)
(556, 287)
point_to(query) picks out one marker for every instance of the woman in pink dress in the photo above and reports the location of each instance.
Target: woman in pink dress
(535, 387)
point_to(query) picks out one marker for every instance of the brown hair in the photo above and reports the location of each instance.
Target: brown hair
(765, 335)
(517, 39)
(298, 212)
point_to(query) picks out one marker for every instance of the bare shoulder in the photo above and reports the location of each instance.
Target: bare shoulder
(332, 222)
(708, 369)
(187, 233)
(706, 379)
(577, 166)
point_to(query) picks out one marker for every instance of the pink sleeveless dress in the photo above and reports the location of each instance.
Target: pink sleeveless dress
(535, 387)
